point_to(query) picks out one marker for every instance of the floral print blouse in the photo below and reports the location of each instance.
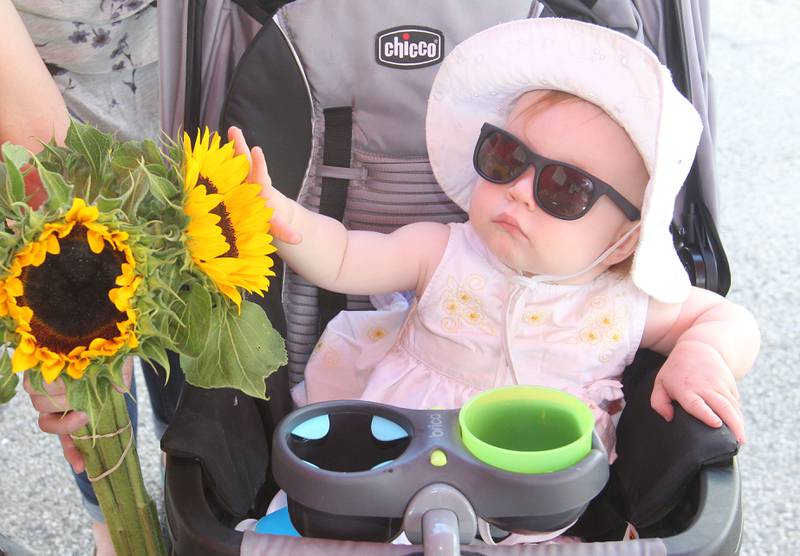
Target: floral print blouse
(103, 55)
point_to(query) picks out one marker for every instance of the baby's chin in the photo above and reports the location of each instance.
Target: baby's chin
(511, 259)
(525, 267)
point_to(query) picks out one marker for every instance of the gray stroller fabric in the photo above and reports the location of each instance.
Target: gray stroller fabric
(694, 24)
(227, 30)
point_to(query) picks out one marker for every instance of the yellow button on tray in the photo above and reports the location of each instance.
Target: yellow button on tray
(438, 458)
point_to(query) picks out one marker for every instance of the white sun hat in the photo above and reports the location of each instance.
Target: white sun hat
(482, 77)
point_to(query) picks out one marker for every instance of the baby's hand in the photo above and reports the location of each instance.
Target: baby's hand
(697, 377)
(282, 217)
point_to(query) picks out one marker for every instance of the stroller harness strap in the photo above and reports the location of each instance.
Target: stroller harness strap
(336, 153)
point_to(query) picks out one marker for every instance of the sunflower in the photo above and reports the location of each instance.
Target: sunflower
(228, 232)
(69, 294)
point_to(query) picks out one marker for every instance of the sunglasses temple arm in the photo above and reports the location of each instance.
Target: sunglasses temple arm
(626, 206)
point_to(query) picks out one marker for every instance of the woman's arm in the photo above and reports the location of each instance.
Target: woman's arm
(31, 107)
(326, 254)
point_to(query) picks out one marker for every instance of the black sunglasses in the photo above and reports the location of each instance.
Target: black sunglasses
(560, 189)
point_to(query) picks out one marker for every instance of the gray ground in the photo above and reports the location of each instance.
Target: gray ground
(756, 67)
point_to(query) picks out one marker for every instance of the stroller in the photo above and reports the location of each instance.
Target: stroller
(295, 78)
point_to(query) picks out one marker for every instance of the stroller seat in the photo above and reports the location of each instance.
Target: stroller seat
(338, 106)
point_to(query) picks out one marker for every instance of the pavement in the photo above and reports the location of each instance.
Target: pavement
(757, 78)
(756, 70)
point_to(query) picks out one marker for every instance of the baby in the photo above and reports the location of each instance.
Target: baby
(566, 143)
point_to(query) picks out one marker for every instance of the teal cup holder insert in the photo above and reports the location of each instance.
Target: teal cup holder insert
(350, 469)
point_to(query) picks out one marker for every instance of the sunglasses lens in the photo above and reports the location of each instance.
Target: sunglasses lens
(564, 192)
(500, 158)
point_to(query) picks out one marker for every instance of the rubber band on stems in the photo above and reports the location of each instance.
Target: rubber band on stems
(108, 472)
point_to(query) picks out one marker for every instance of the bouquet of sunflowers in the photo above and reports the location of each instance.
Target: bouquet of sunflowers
(138, 249)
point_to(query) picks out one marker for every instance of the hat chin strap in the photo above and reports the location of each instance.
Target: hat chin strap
(531, 280)
(524, 283)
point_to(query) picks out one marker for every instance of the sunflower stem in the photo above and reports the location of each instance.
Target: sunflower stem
(145, 507)
(102, 489)
(129, 511)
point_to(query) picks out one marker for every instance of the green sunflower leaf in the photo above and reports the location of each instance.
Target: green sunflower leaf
(78, 393)
(241, 351)
(109, 204)
(37, 381)
(163, 189)
(52, 155)
(191, 337)
(19, 156)
(134, 194)
(152, 154)
(59, 192)
(14, 191)
(145, 327)
(8, 378)
(115, 372)
(93, 144)
(126, 158)
(6, 206)
(154, 352)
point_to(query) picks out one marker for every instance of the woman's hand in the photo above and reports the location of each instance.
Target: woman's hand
(57, 417)
(697, 377)
(284, 208)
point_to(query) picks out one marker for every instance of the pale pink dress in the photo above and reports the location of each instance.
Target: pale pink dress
(475, 316)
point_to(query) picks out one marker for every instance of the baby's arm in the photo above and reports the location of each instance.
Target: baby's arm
(321, 250)
(709, 342)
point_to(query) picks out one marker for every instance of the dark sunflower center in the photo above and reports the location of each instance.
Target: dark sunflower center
(225, 222)
(68, 294)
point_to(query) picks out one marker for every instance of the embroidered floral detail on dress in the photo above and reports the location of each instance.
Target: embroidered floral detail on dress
(463, 307)
(590, 336)
(376, 333)
(326, 353)
(331, 358)
(534, 317)
(603, 326)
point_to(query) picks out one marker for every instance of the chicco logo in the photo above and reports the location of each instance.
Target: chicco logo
(409, 47)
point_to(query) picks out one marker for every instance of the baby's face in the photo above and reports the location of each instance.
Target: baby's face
(521, 234)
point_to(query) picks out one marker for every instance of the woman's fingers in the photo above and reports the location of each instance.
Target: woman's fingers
(62, 423)
(52, 400)
(71, 453)
(55, 388)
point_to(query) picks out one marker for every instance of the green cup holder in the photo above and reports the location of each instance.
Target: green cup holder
(527, 429)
